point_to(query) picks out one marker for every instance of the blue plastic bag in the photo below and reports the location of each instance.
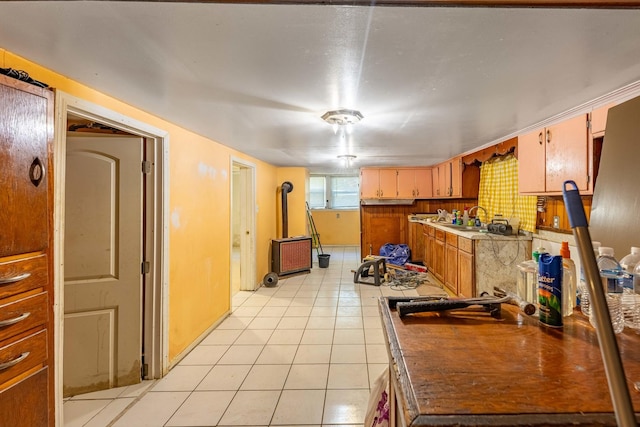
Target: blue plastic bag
(396, 254)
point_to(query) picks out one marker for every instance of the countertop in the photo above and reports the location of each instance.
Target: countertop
(466, 368)
(469, 234)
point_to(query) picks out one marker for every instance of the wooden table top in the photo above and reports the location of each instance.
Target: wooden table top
(466, 368)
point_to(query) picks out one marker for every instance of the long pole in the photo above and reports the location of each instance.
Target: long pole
(614, 370)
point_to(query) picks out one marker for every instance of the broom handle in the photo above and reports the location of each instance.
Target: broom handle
(606, 337)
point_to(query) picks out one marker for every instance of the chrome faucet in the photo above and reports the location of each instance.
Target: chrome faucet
(486, 215)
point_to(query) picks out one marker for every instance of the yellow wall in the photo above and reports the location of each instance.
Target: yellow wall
(199, 204)
(296, 200)
(337, 227)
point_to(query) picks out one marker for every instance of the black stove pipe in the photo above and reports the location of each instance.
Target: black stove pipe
(286, 188)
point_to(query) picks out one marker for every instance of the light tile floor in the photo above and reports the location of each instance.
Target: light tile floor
(304, 352)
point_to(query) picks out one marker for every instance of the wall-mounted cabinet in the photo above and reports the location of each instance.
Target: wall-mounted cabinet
(378, 183)
(395, 183)
(454, 179)
(550, 156)
(414, 183)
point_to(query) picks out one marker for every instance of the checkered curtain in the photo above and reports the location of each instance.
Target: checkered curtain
(499, 192)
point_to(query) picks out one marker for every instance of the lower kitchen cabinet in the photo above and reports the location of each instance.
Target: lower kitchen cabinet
(466, 270)
(467, 266)
(451, 262)
(416, 242)
(438, 255)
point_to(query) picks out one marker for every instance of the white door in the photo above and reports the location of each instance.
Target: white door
(102, 263)
(243, 268)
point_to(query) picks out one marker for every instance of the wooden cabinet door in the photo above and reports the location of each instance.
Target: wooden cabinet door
(466, 271)
(424, 186)
(455, 177)
(416, 241)
(440, 181)
(531, 162)
(388, 183)
(435, 181)
(438, 259)
(25, 176)
(451, 268)
(381, 228)
(369, 184)
(406, 181)
(567, 154)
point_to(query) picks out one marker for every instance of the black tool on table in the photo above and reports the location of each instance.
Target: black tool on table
(418, 305)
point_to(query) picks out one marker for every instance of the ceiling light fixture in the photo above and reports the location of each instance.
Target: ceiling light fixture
(347, 159)
(342, 117)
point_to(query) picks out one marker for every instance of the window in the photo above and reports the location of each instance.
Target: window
(334, 192)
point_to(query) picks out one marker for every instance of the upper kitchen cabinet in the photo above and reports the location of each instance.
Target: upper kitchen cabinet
(395, 183)
(414, 183)
(599, 120)
(550, 156)
(378, 184)
(454, 179)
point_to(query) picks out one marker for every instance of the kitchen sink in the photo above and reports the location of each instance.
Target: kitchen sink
(463, 227)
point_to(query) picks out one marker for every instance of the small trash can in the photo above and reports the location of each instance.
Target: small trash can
(323, 260)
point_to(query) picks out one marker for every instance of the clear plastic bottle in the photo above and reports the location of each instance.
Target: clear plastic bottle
(630, 300)
(527, 282)
(568, 281)
(465, 216)
(611, 273)
(583, 289)
(636, 292)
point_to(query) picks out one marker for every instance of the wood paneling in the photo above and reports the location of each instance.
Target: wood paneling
(554, 206)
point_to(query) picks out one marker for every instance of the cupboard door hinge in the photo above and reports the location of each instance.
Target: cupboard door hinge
(145, 267)
(146, 166)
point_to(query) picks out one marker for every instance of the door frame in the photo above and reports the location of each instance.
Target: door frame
(247, 255)
(155, 308)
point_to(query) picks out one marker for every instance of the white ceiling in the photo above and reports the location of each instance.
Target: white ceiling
(431, 82)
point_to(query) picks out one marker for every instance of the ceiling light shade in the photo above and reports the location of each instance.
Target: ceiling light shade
(347, 159)
(342, 117)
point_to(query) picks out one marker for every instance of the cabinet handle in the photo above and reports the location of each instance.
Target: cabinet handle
(36, 172)
(548, 136)
(14, 320)
(7, 365)
(540, 138)
(7, 280)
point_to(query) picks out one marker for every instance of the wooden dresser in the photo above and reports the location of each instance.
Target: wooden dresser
(26, 268)
(464, 368)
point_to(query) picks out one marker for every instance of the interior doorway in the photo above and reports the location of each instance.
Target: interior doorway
(151, 238)
(243, 226)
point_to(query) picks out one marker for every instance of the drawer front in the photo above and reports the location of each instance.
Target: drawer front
(25, 404)
(465, 244)
(22, 355)
(22, 315)
(440, 235)
(451, 239)
(22, 275)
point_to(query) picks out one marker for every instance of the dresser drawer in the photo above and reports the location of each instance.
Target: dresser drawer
(22, 355)
(22, 315)
(21, 275)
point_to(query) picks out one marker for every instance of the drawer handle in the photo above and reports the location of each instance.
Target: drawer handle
(7, 280)
(14, 320)
(14, 362)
